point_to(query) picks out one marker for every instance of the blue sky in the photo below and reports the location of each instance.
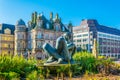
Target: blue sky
(107, 12)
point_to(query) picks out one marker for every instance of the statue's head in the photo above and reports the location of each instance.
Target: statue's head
(68, 36)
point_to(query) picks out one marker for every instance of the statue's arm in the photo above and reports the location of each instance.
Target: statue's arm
(70, 45)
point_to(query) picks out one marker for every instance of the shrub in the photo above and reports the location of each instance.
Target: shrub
(15, 67)
(9, 76)
(16, 64)
(32, 76)
(86, 62)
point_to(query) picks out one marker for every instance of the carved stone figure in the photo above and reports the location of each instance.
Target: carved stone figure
(63, 51)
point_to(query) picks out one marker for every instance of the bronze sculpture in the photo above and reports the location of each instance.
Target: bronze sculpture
(63, 51)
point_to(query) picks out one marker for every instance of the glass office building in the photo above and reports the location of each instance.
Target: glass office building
(108, 38)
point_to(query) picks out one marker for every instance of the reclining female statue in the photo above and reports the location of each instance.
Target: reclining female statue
(63, 51)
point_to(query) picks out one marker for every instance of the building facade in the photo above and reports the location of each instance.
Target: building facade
(39, 31)
(108, 39)
(7, 39)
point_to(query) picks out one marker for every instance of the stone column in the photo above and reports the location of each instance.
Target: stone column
(95, 51)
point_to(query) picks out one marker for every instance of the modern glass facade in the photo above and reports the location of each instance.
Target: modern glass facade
(108, 39)
(109, 44)
(82, 40)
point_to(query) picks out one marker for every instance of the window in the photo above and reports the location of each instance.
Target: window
(78, 35)
(78, 40)
(63, 28)
(29, 36)
(5, 45)
(84, 40)
(40, 23)
(39, 44)
(90, 33)
(104, 35)
(84, 46)
(47, 36)
(21, 36)
(18, 44)
(57, 27)
(42, 35)
(47, 26)
(39, 35)
(8, 45)
(74, 36)
(29, 44)
(100, 35)
(91, 39)
(85, 34)
(51, 37)
(7, 31)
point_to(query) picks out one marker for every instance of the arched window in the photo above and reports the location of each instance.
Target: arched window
(39, 35)
(40, 23)
(18, 45)
(7, 31)
(39, 45)
(47, 26)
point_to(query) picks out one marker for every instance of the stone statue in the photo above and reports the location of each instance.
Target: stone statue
(63, 51)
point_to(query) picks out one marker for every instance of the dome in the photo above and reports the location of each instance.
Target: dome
(20, 22)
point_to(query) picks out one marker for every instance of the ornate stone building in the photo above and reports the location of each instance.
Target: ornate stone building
(39, 30)
(20, 37)
(7, 39)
